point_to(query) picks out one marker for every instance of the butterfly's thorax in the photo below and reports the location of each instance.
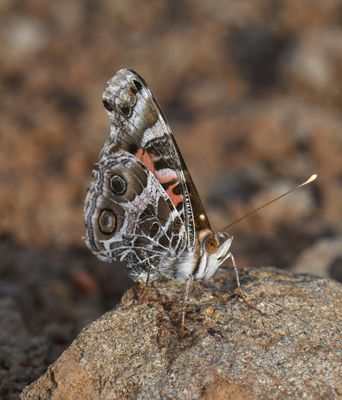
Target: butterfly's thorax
(143, 207)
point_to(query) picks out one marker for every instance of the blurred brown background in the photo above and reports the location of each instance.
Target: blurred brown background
(252, 91)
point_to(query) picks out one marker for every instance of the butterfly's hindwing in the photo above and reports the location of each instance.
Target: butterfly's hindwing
(130, 218)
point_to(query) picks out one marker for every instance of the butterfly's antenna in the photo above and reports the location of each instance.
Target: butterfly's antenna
(311, 179)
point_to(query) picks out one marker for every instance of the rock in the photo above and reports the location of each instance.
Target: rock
(22, 358)
(290, 349)
(312, 65)
(324, 258)
(25, 37)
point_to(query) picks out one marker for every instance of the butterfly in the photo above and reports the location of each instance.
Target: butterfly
(142, 207)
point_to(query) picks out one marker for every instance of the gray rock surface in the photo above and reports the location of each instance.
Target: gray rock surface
(292, 349)
(21, 356)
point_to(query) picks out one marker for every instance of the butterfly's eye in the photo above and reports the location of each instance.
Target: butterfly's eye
(107, 105)
(125, 110)
(211, 246)
(107, 222)
(118, 185)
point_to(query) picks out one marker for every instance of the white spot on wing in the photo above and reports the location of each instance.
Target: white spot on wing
(152, 133)
(167, 173)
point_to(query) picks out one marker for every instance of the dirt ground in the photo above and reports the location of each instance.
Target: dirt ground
(252, 91)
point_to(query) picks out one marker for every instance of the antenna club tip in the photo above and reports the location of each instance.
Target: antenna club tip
(312, 178)
(309, 180)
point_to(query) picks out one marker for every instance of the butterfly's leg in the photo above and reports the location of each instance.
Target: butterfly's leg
(241, 293)
(236, 271)
(185, 301)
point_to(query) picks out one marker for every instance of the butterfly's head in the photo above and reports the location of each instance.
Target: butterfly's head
(214, 251)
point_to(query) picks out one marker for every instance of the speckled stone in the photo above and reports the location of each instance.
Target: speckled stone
(290, 349)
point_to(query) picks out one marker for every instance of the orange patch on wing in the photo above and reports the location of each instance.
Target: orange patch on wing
(175, 198)
(148, 161)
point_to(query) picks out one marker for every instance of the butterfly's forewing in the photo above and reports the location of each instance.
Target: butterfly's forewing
(139, 127)
(130, 218)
